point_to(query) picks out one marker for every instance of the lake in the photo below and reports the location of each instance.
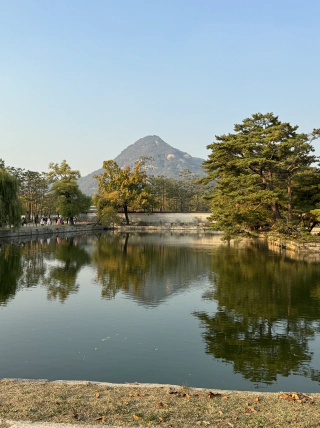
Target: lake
(167, 307)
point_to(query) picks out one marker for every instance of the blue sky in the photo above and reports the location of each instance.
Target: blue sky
(81, 80)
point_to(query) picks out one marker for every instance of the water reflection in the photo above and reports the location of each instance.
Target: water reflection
(61, 280)
(148, 270)
(10, 271)
(268, 312)
(268, 305)
(53, 263)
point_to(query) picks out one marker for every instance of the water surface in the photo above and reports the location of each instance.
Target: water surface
(163, 308)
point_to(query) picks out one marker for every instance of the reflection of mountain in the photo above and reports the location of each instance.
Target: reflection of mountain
(145, 267)
(268, 312)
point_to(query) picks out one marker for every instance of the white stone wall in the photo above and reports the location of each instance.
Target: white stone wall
(167, 219)
(159, 219)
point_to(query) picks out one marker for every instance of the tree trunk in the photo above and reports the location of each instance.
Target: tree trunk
(71, 221)
(275, 210)
(289, 201)
(125, 208)
(269, 186)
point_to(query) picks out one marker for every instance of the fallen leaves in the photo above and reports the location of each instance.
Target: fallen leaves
(252, 409)
(161, 404)
(138, 395)
(297, 397)
(137, 416)
(100, 419)
(212, 394)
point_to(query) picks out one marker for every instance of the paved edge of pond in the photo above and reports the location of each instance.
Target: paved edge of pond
(38, 232)
(126, 384)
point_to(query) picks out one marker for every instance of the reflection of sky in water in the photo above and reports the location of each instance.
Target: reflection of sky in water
(138, 335)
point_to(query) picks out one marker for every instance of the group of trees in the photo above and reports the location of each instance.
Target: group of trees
(123, 188)
(185, 194)
(31, 193)
(262, 176)
(119, 189)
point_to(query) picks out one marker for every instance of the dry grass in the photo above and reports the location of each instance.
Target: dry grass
(145, 406)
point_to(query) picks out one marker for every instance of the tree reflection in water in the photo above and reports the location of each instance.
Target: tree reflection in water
(149, 270)
(268, 312)
(61, 280)
(10, 272)
(54, 263)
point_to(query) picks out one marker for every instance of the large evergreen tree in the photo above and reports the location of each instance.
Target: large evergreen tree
(258, 170)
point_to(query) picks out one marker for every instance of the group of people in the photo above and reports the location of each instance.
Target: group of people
(47, 221)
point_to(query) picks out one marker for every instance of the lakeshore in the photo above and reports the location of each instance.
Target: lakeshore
(132, 404)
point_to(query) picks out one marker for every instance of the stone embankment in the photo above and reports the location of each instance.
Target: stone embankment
(31, 232)
(308, 251)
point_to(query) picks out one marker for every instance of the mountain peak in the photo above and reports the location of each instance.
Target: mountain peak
(164, 160)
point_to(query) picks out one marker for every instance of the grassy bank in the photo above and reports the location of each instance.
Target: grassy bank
(146, 405)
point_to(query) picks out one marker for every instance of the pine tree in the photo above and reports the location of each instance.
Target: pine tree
(257, 171)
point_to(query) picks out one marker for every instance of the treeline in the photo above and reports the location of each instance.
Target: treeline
(33, 194)
(33, 188)
(183, 195)
(264, 177)
(57, 192)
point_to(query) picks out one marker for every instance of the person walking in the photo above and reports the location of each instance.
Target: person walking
(49, 222)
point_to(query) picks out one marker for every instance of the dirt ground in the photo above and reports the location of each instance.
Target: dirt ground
(146, 405)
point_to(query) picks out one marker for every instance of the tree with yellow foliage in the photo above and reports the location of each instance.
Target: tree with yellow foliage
(123, 188)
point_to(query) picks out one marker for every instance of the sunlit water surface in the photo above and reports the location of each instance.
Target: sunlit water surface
(165, 308)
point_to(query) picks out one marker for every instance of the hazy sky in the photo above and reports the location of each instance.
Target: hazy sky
(81, 80)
